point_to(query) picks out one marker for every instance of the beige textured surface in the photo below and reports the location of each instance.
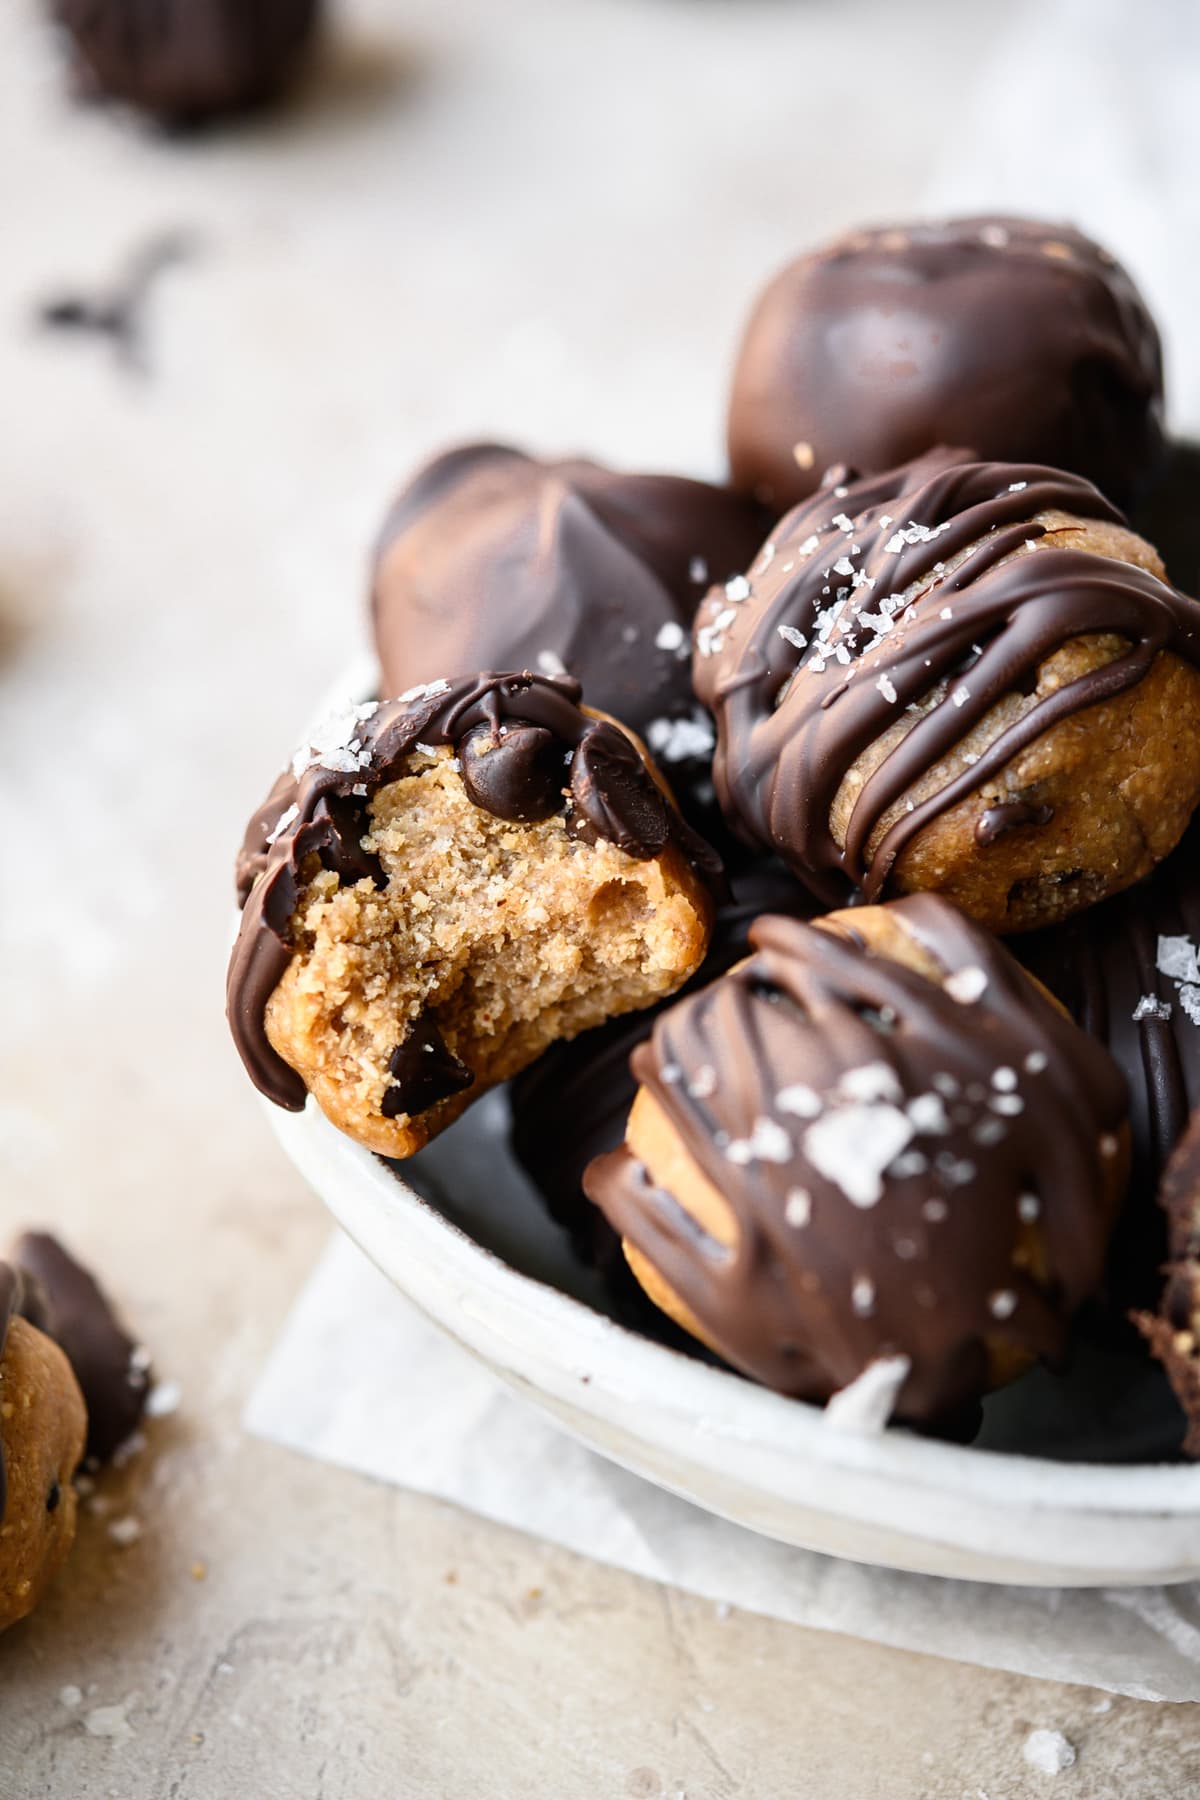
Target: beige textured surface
(545, 219)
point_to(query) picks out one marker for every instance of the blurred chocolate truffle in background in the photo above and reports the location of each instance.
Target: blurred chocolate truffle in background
(491, 559)
(1021, 339)
(185, 61)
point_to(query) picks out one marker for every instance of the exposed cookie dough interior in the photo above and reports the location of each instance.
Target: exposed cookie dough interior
(489, 941)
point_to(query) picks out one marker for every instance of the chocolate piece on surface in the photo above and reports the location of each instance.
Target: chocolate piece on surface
(494, 559)
(915, 602)
(1022, 339)
(185, 61)
(918, 1165)
(62, 1299)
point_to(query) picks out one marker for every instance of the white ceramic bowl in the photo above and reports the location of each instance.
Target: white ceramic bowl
(766, 1462)
(475, 1251)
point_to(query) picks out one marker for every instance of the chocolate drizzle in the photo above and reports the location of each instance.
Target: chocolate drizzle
(1020, 338)
(318, 816)
(185, 61)
(1010, 815)
(899, 1155)
(857, 610)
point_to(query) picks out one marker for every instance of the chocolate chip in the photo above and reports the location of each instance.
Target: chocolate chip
(518, 772)
(424, 1070)
(53, 1498)
(615, 798)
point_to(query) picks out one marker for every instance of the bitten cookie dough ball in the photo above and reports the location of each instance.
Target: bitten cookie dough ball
(186, 61)
(1174, 1332)
(42, 1425)
(445, 885)
(875, 1139)
(1022, 339)
(961, 677)
(492, 559)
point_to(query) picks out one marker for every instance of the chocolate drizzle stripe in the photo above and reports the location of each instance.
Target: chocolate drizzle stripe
(832, 645)
(319, 817)
(809, 1009)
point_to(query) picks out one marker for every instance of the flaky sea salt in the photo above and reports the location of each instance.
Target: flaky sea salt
(768, 1142)
(865, 1405)
(676, 740)
(853, 1145)
(670, 635)
(1048, 1751)
(804, 1102)
(282, 822)
(791, 636)
(887, 688)
(1151, 1007)
(966, 985)
(1177, 959)
(737, 589)
(798, 1208)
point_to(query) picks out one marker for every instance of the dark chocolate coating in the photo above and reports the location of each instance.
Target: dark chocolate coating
(185, 61)
(424, 1070)
(1171, 1330)
(62, 1299)
(572, 1103)
(885, 1147)
(317, 813)
(1101, 965)
(814, 655)
(491, 559)
(1022, 339)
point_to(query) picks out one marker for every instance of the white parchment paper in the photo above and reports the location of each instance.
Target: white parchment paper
(361, 1379)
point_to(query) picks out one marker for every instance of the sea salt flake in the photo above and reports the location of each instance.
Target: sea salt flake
(887, 688)
(1008, 1105)
(1017, 487)
(910, 1162)
(1177, 958)
(809, 545)
(1002, 1304)
(671, 1074)
(840, 519)
(1048, 1751)
(670, 635)
(1028, 1208)
(698, 571)
(798, 1208)
(935, 1211)
(871, 1081)
(677, 740)
(550, 663)
(927, 1114)
(1004, 1078)
(1189, 999)
(791, 636)
(163, 1399)
(994, 236)
(335, 744)
(966, 986)
(988, 1131)
(1151, 1007)
(853, 1145)
(737, 589)
(1036, 1061)
(424, 690)
(125, 1531)
(843, 566)
(703, 1082)
(961, 695)
(803, 1102)
(866, 1404)
(768, 1142)
(862, 1296)
(281, 824)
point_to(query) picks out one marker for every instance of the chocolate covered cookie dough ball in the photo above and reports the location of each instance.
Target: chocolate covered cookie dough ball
(42, 1424)
(875, 1139)
(492, 559)
(1021, 339)
(185, 61)
(444, 885)
(956, 676)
